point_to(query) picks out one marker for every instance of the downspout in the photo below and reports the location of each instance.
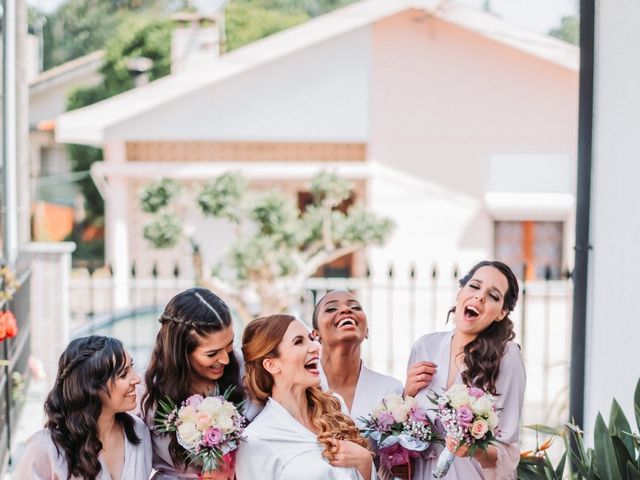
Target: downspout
(583, 207)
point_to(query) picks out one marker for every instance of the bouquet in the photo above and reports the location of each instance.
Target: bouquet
(470, 416)
(208, 428)
(400, 430)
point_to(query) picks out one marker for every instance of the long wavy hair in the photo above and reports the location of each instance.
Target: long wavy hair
(261, 340)
(482, 355)
(73, 406)
(188, 317)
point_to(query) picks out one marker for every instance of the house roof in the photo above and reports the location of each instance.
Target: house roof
(88, 125)
(68, 71)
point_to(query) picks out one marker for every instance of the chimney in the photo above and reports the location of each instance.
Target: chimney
(195, 41)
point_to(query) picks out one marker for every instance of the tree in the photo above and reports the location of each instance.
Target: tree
(569, 30)
(276, 247)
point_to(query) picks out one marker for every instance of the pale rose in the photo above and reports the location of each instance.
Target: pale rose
(459, 398)
(418, 415)
(476, 392)
(194, 400)
(410, 402)
(211, 405)
(203, 420)
(187, 414)
(465, 416)
(228, 409)
(481, 406)
(479, 428)
(224, 423)
(189, 433)
(400, 413)
(492, 420)
(393, 400)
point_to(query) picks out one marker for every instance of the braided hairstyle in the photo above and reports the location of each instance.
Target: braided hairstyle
(261, 340)
(482, 355)
(188, 317)
(73, 405)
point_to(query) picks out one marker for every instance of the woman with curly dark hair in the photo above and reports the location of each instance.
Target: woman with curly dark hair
(193, 354)
(88, 434)
(478, 352)
(301, 433)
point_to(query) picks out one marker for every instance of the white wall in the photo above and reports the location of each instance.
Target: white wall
(319, 93)
(613, 328)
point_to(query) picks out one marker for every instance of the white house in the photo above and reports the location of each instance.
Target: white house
(458, 125)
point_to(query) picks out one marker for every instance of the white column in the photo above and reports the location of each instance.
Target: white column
(613, 328)
(117, 227)
(50, 265)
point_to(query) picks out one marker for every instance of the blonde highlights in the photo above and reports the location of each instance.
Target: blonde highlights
(260, 340)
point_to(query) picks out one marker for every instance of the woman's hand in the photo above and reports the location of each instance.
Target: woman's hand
(419, 376)
(350, 454)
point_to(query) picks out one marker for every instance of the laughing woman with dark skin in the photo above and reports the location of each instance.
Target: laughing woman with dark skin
(88, 434)
(341, 325)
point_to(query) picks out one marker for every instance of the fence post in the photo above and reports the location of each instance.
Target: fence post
(49, 301)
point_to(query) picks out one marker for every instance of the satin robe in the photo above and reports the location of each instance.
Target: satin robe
(370, 389)
(278, 447)
(41, 460)
(510, 385)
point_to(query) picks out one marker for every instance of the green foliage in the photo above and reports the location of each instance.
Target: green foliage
(569, 30)
(222, 197)
(246, 22)
(615, 454)
(164, 230)
(157, 195)
(329, 190)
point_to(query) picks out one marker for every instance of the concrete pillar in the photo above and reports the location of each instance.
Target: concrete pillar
(49, 310)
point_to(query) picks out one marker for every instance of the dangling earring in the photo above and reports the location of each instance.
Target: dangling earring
(367, 334)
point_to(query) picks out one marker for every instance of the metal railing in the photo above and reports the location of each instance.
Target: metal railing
(14, 375)
(400, 309)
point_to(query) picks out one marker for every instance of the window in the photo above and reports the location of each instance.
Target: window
(538, 245)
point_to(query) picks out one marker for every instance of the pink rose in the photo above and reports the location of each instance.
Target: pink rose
(212, 437)
(418, 415)
(385, 419)
(475, 392)
(194, 400)
(465, 416)
(479, 428)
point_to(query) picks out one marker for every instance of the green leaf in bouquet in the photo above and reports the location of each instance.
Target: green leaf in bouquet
(166, 408)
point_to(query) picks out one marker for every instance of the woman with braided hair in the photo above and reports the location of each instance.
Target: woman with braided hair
(88, 434)
(301, 433)
(193, 354)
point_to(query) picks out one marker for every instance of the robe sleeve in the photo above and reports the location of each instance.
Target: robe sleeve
(510, 385)
(38, 460)
(257, 459)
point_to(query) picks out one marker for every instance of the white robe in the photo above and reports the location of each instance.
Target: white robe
(278, 447)
(370, 390)
(41, 460)
(510, 385)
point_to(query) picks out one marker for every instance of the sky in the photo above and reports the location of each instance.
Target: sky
(538, 15)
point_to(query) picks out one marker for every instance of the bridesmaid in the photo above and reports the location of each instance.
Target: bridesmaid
(88, 434)
(341, 325)
(301, 433)
(478, 352)
(193, 354)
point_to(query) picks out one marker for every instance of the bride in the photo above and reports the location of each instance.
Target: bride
(301, 432)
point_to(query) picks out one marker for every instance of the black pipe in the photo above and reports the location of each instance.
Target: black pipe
(583, 208)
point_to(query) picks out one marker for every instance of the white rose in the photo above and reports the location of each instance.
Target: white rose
(187, 414)
(393, 400)
(492, 420)
(481, 406)
(400, 413)
(224, 423)
(189, 433)
(459, 398)
(479, 428)
(210, 405)
(228, 409)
